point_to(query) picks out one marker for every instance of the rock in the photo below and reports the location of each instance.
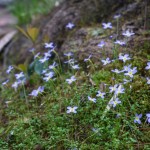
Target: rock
(5, 2)
(83, 14)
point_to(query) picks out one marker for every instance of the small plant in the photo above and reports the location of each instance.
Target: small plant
(51, 107)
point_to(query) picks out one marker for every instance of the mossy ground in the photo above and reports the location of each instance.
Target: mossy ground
(43, 123)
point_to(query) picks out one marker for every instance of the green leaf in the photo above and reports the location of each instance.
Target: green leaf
(30, 69)
(38, 67)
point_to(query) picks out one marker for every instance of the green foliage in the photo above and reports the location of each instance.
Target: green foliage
(24, 10)
(42, 122)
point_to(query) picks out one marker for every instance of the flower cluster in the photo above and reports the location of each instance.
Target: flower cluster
(35, 93)
(52, 70)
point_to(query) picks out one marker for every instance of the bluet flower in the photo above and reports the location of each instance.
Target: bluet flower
(120, 42)
(113, 88)
(37, 55)
(137, 118)
(148, 80)
(68, 54)
(76, 67)
(19, 75)
(72, 79)
(32, 50)
(126, 81)
(119, 90)
(15, 85)
(127, 33)
(107, 61)
(148, 66)
(92, 99)
(101, 44)
(10, 68)
(107, 25)
(87, 59)
(34, 93)
(48, 54)
(100, 94)
(115, 102)
(117, 16)
(48, 76)
(72, 109)
(131, 72)
(124, 58)
(49, 45)
(117, 71)
(4, 83)
(53, 65)
(127, 68)
(70, 25)
(70, 61)
(148, 117)
(44, 59)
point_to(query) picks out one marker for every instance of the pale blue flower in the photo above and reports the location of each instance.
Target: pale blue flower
(137, 118)
(19, 75)
(44, 71)
(52, 50)
(92, 99)
(119, 90)
(40, 89)
(32, 50)
(87, 59)
(69, 54)
(72, 109)
(113, 88)
(76, 67)
(96, 130)
(107, 25)
(148, 117)
(53, 65)
(148, 80)
(148, 66)
(127, 33)
(131, 72)
(126, 81)
(120, 42)
(100, 94)
(48, 76)
(70, 25)
(10, 68)
(117, 16)
(35, 93)
(72, 79)
(115, 102)
(117, 71)
(15, 85)
(70, 61)
(37, 55)
(107, 61)
(4, 83)
(49, 45)
(127, 68)
(101, 44)
(124, 58)
(47, 55)
(44, 59)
